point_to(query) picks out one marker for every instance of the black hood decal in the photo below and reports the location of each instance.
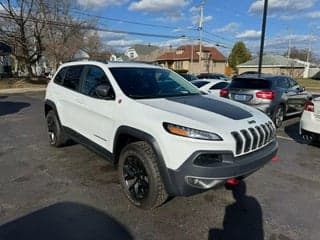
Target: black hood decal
(213, 105)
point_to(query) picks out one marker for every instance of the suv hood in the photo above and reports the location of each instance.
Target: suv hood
(201, 107)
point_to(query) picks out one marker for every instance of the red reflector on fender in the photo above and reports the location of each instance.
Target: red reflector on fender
(233, 181)
(275, 159)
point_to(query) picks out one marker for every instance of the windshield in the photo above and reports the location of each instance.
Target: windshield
(141, 83)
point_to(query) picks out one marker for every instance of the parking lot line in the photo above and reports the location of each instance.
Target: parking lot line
(285, 138)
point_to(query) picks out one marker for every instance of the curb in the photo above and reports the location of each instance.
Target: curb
(21, 90)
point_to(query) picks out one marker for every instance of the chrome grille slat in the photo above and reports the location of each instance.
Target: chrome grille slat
(253, 138)
(262, 136)
(266, 134)
(239, 142)
(247, 140)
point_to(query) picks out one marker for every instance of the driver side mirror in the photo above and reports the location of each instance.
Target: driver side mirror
(104, 92)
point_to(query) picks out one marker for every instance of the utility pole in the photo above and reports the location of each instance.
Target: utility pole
(200, 32)
(309, 49)
(289, 47)
(263, 33)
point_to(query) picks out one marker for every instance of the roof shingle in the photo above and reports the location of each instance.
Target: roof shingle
(185, 53)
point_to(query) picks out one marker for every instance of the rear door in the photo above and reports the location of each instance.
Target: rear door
(70, 100)
(245, 89)
(296, 97)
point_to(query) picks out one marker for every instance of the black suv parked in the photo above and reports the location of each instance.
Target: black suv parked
(277, 96)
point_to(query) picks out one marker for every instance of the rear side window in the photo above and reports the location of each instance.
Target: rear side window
(199, 84)
(220, 85)
(283, 82)
(292, 82)
(249, 83)
(72, 77)
(60, 76)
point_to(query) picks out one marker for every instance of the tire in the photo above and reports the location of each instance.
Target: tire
(139, 176)
(278, 116)
(56, 135)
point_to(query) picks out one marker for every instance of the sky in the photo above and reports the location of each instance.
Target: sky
(225, 22)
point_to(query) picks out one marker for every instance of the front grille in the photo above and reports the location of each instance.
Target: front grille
(248, 140)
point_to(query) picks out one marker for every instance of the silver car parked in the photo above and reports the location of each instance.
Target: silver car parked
(277, 96)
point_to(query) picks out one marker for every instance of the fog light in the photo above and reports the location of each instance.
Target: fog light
(203, 183)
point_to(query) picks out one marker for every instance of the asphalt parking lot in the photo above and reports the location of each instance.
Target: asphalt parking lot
(71, 193)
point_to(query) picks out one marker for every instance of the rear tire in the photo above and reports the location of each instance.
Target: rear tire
(56, 135)
(278, 116)
(139, 176)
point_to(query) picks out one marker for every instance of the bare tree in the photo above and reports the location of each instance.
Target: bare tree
(22, 32)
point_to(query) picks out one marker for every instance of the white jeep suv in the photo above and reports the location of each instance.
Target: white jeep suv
(165, 136)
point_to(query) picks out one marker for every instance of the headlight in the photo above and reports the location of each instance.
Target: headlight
(191, 133)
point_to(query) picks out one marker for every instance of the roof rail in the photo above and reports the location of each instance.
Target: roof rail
(88, 59)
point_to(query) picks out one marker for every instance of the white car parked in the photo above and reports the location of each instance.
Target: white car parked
(210, 86)
(310, 120)
(165, 137)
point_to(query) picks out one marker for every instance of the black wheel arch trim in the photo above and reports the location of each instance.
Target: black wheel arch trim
(143, 136)
(52, 105)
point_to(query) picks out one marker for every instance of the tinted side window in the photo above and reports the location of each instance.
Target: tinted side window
(60, 76)
(283, 82)
(220, 85)
(72, 78)
(292, 82)
(94, 77)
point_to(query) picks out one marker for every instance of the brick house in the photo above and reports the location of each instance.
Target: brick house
(187, 58)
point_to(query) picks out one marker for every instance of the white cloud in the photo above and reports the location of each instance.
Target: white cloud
(278, 6)
(315, 14)
(249, 34)
(195, 19)
(110, 36)
(296, 39)
(194, 10)
(158, 5)
(231, 27)
(183, 29)
(124, 42)
(101, 3)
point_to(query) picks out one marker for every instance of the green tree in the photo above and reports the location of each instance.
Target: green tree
(238, 55)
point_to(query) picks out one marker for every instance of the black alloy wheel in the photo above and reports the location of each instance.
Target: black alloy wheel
(136, 178)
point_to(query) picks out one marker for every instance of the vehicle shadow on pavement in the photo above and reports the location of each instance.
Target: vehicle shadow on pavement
(293, 132)
(242, 219)
(65, 220)
(12, 107)
(3, 97)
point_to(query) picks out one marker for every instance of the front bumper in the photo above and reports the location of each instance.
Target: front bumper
(191, 178)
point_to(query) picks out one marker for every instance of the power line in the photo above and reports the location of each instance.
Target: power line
(88, 27)
(123, 20)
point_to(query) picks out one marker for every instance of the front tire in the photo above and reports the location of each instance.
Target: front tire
(139, 176)
(278, 116)
(55, 133)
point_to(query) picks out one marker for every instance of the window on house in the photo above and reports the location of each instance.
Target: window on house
(131, 54)
(178, 65)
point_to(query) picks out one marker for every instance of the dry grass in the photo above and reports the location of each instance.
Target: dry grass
(310, 84)
(7, 83)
